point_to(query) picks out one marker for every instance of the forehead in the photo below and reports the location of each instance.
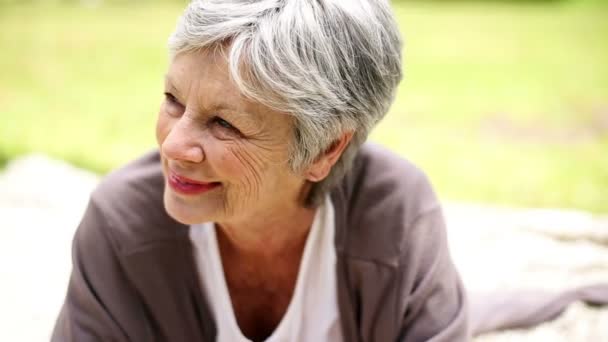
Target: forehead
(201, 66)
(202, 78)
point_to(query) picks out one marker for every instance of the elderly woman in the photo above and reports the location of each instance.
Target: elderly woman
(262, 216)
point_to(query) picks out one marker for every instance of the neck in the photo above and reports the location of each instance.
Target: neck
(277, 236)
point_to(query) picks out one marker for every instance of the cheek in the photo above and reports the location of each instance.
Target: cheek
(163, 127)
(236, 164)
(245, 166)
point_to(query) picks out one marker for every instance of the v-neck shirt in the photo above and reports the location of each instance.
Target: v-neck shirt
(312, 313)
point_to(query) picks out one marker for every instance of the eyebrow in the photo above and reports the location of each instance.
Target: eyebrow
(215, 107)
(169, 82)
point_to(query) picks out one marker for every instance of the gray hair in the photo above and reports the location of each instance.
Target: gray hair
(332, 64)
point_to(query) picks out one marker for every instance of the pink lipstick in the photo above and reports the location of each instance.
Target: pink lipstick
(188, 186)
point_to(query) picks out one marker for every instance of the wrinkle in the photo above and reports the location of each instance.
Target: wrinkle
(253, 177)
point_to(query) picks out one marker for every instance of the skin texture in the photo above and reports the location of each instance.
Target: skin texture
(208, 132)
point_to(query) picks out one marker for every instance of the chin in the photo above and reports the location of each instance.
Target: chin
(183, 212)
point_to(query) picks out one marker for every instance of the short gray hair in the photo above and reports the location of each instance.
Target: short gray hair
(332, 64)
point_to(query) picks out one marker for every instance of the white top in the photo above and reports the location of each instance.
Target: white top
(312, 314)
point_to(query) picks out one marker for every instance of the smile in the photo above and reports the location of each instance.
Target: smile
(187, 186)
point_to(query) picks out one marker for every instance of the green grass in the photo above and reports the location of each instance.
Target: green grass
(502, 103)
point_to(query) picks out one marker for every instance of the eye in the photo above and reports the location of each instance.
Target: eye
(173, 106)
(224, 129)
(170, 98)
(223, 123)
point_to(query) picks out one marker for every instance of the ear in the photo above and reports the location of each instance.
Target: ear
(321, 167)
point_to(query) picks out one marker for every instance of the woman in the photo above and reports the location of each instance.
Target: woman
(262, 217)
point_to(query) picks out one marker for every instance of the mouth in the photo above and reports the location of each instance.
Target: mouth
(189, 186)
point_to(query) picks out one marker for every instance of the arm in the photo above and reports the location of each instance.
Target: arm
(100, 303)
(436, 306)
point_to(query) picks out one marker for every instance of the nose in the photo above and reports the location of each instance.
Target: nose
(183, 142)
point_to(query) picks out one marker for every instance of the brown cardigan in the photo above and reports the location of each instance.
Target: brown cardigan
(134, 277)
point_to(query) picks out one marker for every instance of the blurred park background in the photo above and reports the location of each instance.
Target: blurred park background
(503, 102)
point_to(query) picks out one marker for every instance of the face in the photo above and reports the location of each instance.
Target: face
(224, 157)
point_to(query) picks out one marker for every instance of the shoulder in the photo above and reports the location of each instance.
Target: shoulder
(128, 205)
(106, 295)
(394, 178)
(391, 237)
(379, 202)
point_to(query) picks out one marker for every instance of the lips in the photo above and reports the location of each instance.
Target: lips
(189, 186)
